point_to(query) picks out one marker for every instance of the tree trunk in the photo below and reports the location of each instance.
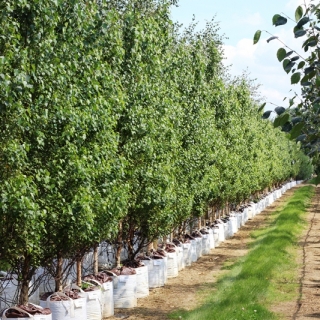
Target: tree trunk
(95, 259)
(79, 272)
(150, 248)
(58, 278)
(119, 245)
(26, 276)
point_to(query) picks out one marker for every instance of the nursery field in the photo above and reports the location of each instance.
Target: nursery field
(292, 292)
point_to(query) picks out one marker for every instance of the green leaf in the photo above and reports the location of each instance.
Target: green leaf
(289, 53)
(279, 110)
(300, 33)
(272, 38)
(295, 58)
(301, 64)
(298, 13)
(296, 120)
(256, 36)
(281, 54)
(279, 20)
(266, 114)
(261, 107)
(296, 130)
(318, 81)
(281, 120)
(295, 78)
(287, 65)
(303, 21)
(302, 137)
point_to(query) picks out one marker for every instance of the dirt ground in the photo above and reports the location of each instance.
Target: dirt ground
(182, 292)
(308, 304)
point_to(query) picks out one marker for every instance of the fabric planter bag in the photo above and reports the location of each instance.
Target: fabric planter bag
(234, 221)
(239, 219)
(105, 281)
(205, 244)
(216, 235)
(125, 295)
(193, 249)
(186, 247)
(155, 272)
(211, 239)
(79, 303)
(172, 266)
(199, 247)
(142, 281)
(221, 237)
(61, 306)
(107, 299)
(94, 300)
(180, 260)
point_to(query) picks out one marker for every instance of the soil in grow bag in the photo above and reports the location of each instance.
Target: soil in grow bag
(125, 293)
(106, 282)
(28, 311)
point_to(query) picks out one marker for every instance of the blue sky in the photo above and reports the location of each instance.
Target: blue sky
(239, 19)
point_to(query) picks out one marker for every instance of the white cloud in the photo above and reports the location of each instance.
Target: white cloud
(261, 62)
(293, 4)
(254, 19)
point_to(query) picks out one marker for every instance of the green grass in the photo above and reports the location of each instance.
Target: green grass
(266, 275)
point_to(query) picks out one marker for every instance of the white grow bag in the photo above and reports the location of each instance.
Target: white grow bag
(125, 293)
(211, 239)
(181, 263)
(172, 266)
(221, 232)
(80, 304)
(107, 299)
(205, 244)
(142, 282)
(156, 276)
(61, 310)
(199, 247)
(239, 219)
(94, 302)
(229, 230)
(216, 236)
(234, 223)
(30, 317)
(187, 254)
(193, 250)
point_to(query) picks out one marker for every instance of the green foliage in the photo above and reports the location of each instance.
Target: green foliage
(307, 19)
(305, 167)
